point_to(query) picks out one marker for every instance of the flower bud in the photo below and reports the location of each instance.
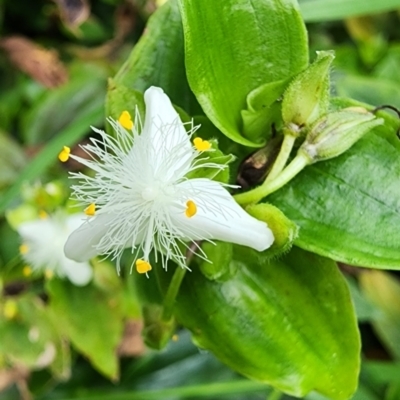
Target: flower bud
(307, 97)
(284, 230)
(336, 132)
(217, 266)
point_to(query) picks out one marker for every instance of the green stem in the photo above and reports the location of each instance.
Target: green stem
(172, 292)
(255, 195)
(284, 153)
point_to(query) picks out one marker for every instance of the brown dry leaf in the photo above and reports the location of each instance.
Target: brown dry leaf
(132, 342)
(73, 12)
(41, 64)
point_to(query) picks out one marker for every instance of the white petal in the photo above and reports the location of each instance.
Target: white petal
(219, 217)
(31, 229)
(80, 274)
(169, 145)
(81, 243)
(159, 109)
(74, 221)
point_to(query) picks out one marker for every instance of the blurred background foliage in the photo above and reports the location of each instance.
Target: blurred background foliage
(55, 60)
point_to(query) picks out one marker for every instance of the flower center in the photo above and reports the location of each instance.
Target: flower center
(150, 193)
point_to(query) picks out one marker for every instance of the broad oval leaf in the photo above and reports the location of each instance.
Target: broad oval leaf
(158, 59)
(232, 47)
(348, 208)
(288, 322)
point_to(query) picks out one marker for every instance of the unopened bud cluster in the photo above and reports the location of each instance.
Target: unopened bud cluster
(336, 132)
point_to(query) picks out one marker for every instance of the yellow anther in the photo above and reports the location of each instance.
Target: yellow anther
(63, 156)
(24, 248)
(125, 120)
(49, 274)
(10, 309)
(27, 271)
(201, 145)
(90, 210)
(191, 208)
(43, 214)
(142, 267)
(175, 338)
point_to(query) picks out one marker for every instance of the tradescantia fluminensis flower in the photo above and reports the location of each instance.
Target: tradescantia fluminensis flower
(141, 198)
(42, 245)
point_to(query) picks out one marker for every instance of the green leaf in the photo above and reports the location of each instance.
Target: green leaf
(262, 109)
(270, 45)
(31, 338)
(329, 10)
(347, 208)
(365, 310)
(48, 155)
(158, 59)
(383, 290)
(289, 323)
(121, 98)
(58, 108)
(371, 90)
(92, 319)
(215, 156)
(12, 160)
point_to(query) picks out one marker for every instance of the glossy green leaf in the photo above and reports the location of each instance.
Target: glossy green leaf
(288, 322)
(158, 59)
(329, 10)
(383, 290)
(270, 44)
(347, 208)
(92, 319)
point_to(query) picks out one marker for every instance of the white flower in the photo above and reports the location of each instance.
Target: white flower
(42, 247)
(140, 196)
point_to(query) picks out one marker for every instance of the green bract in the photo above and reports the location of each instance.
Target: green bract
(307, 97)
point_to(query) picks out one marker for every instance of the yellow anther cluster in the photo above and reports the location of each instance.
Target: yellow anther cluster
(201, 145)
(191, 208)
(90, 210)
(27, 271)
(43, 214)
(49, 274)
(63, 156)
(24, 248)
(10, 309)
(125, 120)
(142, 266)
